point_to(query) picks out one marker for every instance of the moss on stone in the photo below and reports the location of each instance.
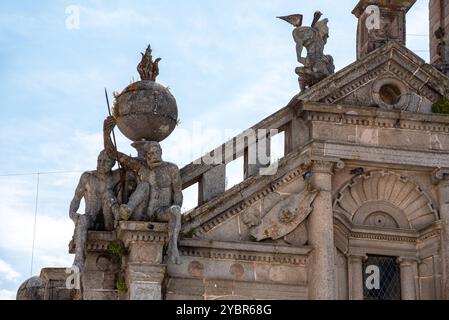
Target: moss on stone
(117, 249)
(188, 235)
(441, 106)
(121, 285)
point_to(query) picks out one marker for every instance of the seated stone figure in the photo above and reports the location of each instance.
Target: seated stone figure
(97, 189)
(158, 196)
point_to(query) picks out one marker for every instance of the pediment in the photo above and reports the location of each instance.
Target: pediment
(392, 77)
(260, 209)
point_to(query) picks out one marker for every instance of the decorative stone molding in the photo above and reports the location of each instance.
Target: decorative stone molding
(320, 166)
(130, 232)
(251, 253)
(382, 237)
(400, 198)
(376, 120)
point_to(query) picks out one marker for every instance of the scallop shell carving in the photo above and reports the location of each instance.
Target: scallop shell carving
(389, 193)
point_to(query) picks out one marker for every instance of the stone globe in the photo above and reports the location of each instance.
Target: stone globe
(31, 289)
(146, 110)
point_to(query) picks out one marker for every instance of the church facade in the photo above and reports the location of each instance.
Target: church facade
(358, 207)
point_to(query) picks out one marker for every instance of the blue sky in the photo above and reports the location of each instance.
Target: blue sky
(229, 63)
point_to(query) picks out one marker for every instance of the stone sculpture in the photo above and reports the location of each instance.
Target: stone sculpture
(147, 68)
(285, 216)
(317, 65)
(146, 113)
(32, 289)
(443, 50)
(98, 190)
(158, 196)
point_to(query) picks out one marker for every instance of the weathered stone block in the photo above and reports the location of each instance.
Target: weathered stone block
(145, 291)
(100, 295)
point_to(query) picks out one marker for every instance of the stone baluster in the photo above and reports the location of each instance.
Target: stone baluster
(212, 184)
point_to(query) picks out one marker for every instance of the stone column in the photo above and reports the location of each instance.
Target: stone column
(408, 267)
(322, 273)
(144, 268)
(441, 179)
(356, 277)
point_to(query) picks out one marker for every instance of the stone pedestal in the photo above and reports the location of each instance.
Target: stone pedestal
(322, 284)
(140, 271)
(144, 269)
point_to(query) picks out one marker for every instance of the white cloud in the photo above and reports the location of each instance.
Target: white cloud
(7, 272)
(117, 18)
(7, 295)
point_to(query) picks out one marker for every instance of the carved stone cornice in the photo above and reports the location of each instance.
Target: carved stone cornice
(130, 231)
(392, 155)
(380, 118)
(250, 252)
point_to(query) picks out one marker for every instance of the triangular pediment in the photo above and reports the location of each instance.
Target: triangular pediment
(251, 211)
(392, 77)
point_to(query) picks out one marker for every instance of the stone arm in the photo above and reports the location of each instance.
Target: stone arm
(177, 187)
(127, 161)
(299, 49)
(79, 194)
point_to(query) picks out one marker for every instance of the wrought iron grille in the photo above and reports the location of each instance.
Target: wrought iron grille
(382, 279)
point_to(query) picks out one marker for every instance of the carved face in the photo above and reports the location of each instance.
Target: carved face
(153, 154)
(104, 163)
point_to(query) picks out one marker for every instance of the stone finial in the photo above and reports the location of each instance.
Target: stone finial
(380, 21)
(147, 68)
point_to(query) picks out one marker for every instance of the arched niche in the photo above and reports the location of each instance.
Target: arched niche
(387, 200)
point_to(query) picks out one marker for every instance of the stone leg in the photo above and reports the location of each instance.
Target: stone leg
(108, 215)
(173, 216)
(138, 203)
(83, 224)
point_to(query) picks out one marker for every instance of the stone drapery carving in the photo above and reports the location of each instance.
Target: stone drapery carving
(285, 215)
(317, 65)
(158, 196)
(98, 190)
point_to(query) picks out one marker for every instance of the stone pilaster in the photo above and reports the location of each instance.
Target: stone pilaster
(441, 179)
(408, 278)
(322, 279)
(356, 277)
(144, 268)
